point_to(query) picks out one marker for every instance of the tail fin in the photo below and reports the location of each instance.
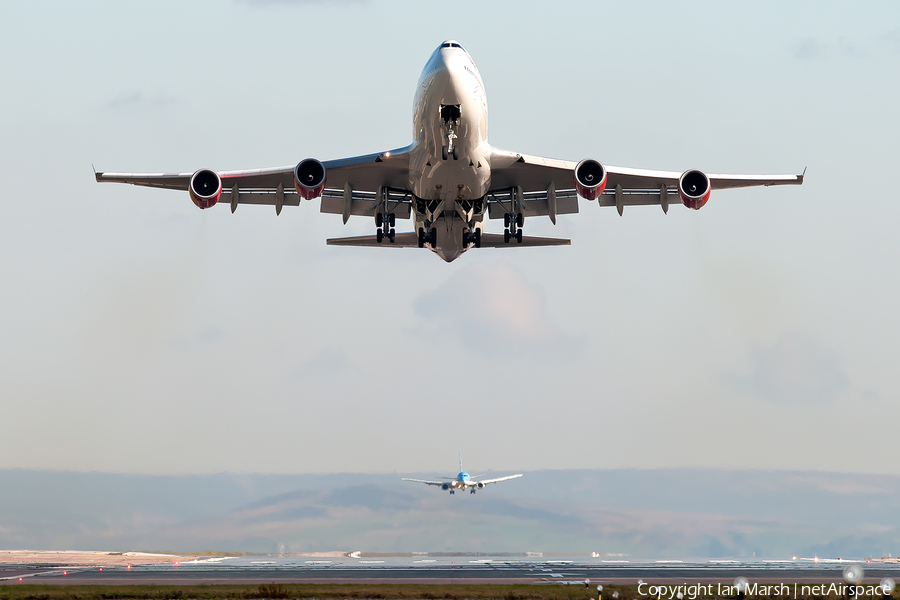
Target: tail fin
(460, 461)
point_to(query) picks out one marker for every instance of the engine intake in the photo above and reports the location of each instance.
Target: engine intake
(205, 188)
(445, 486)
(479, 485)
(590, 179)
(309, 178)
(694, 188)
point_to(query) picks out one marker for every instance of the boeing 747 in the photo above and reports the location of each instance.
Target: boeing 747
(449, 180)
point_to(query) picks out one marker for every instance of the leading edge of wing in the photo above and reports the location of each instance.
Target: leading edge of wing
(392, 166)
(535, 173)
(422, 481)
(499, 479)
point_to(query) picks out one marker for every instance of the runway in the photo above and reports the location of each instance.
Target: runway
(265, 569)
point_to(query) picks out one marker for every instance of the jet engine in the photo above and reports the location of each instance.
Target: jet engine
(205, 188)
(445, 486)
(309, 178)
(590, 179)
(479, 485)
(694, 188)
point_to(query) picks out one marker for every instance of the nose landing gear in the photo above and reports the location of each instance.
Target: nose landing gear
(450, 114)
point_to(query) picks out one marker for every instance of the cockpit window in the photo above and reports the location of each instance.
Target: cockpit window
(450, 45)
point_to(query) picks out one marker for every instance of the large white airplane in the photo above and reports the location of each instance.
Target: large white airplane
(463, 481)
(450, 179)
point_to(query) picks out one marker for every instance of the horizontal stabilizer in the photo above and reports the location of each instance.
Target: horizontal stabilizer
(401, 240)
(495, 240)
(411, 240)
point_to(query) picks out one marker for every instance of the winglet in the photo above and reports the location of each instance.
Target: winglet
(96, 174)
(802, 175)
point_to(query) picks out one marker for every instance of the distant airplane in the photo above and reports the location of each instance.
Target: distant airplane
(449, 180)
(463, 481)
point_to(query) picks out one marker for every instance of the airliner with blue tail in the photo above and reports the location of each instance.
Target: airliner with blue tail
(463, 481)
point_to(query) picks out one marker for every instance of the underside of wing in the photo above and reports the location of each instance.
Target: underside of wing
(547, 186)
(351, 185)
(423, 481)
(499, 479)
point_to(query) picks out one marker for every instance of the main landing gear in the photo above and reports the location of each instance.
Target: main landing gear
(472, 237)
(472, 491)
(452, 492)
(429, 237)
(385, 227)
(513, 223)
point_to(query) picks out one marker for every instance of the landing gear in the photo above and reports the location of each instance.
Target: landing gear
(446, 153)
(472, 237)
(385, 227)
(472, 491)
(452, 492)
(513, 223)
(450, 114)
(429, 237)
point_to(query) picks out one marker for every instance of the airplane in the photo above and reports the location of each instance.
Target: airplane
(449, 180)
(463, 481)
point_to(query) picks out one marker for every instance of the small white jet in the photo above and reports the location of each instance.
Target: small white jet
(463, 481)
(449, 180)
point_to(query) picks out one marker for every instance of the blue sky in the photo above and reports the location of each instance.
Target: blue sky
(139, 334)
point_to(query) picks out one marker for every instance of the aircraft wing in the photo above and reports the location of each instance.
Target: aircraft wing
(364, 174)
(499, 479)
(423, 481)
(534, 175)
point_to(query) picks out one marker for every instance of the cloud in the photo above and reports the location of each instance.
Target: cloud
(494, 309)
(796, 370)
(139, 101)
(815, 49)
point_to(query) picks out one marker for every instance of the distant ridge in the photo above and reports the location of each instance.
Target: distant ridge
(646, 513)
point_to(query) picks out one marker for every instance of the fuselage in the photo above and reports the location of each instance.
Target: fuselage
(450, 170)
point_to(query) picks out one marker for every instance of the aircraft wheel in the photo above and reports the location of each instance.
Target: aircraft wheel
(506, 236)
(433, 236)
(421, 238)
(519, 236)
(520, 219)
(506, 220)
(444, 157)
(379, 219)
(392, 219)
(379, 236)
(478, 238)
(393, 232)
(455, 153)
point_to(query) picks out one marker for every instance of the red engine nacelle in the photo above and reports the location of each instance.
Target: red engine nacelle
(590, 179)
(205, 188)
(309, 178)
(694, 188)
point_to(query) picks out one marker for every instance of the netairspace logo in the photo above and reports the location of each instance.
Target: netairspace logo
(783, 590)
